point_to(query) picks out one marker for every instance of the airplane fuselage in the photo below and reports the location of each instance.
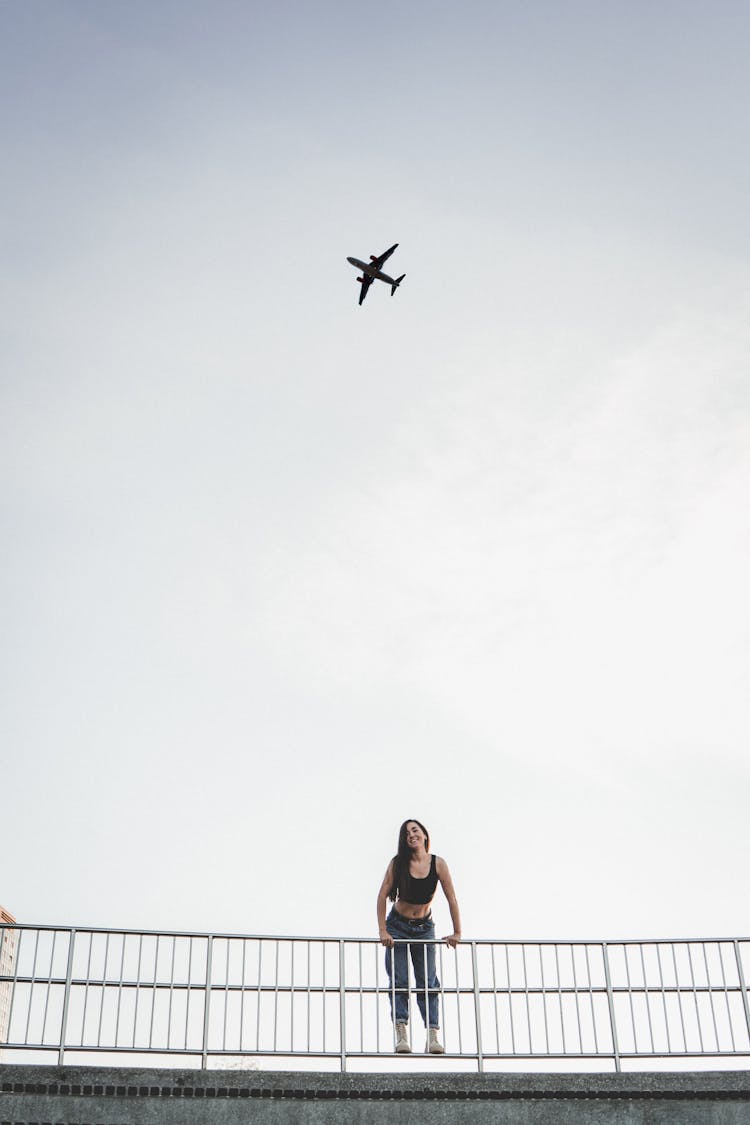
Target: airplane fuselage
(371, 270)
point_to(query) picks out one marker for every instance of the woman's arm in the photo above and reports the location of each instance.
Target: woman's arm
(446, 883)
(385, 887)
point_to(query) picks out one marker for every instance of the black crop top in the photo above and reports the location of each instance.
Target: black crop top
(419, 891)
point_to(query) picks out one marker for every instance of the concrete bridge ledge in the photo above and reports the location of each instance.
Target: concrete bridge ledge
(76, 1095)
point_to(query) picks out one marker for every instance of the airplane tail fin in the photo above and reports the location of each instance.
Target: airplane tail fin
(396, 283)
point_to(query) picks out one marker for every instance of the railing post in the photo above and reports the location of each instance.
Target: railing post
(207, 1002)
(477, 1012)
(611, 1002)
(743, 986)
(342, 1005)
(66, 999)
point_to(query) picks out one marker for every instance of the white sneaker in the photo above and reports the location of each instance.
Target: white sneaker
(402, 1039)
(434, 1046)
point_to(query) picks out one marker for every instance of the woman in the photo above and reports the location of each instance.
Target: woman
(410, 882)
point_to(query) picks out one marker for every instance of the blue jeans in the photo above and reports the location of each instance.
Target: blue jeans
(422, 958)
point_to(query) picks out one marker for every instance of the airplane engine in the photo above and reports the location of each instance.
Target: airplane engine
(360, 279)
(373, 257)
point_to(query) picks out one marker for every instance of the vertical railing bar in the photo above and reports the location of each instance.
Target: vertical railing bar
(49, 983)
(157, 947)
(137, 987)
(630, 995)
(577, 1000)
(361, 1007)
(324, 946)
(458, 1002)
(408, 949)
(743, 987)
(276, 995)
(646, 995)
(376, 951)
(104, 992)
(726, 996)
(591, 1000)
(494, 997)
(171, 992)
(510, 1002)
(226, 997)
(711, 994)
(86, 988)
(309, 994)
(559, 999)
(189, 988)
(477, 1011)
(526, 993)
(663, 996)
(544, 1001)
(678, 990)
(426, 978)
(291, 998)
(207, 1000)
(242, 994)
(31, 986)
(695, 997)
(119, 990)
(610, 1001)
(66, 998)
(393, 991)
(342, 1005)
(440, 967)
(260, 994)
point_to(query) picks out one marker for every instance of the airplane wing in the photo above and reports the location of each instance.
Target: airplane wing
(366, 283)
(378, 262)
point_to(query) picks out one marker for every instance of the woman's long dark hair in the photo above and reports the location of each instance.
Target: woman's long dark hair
(403, 857)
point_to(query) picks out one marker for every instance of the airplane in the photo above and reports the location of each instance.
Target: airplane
(374, 269)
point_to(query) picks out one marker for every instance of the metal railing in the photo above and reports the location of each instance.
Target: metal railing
(211, 998)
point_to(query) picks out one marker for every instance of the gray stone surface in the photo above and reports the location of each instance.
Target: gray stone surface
(45, 1095)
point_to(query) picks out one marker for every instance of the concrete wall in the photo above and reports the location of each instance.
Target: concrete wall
(8, 942)
(45, 1095)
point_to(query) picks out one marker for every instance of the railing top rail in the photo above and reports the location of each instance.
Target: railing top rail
(233, 936)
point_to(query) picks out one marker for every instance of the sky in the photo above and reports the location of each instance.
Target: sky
(280, 572)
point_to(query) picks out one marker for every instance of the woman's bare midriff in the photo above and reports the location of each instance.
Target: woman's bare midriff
(413, 909)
